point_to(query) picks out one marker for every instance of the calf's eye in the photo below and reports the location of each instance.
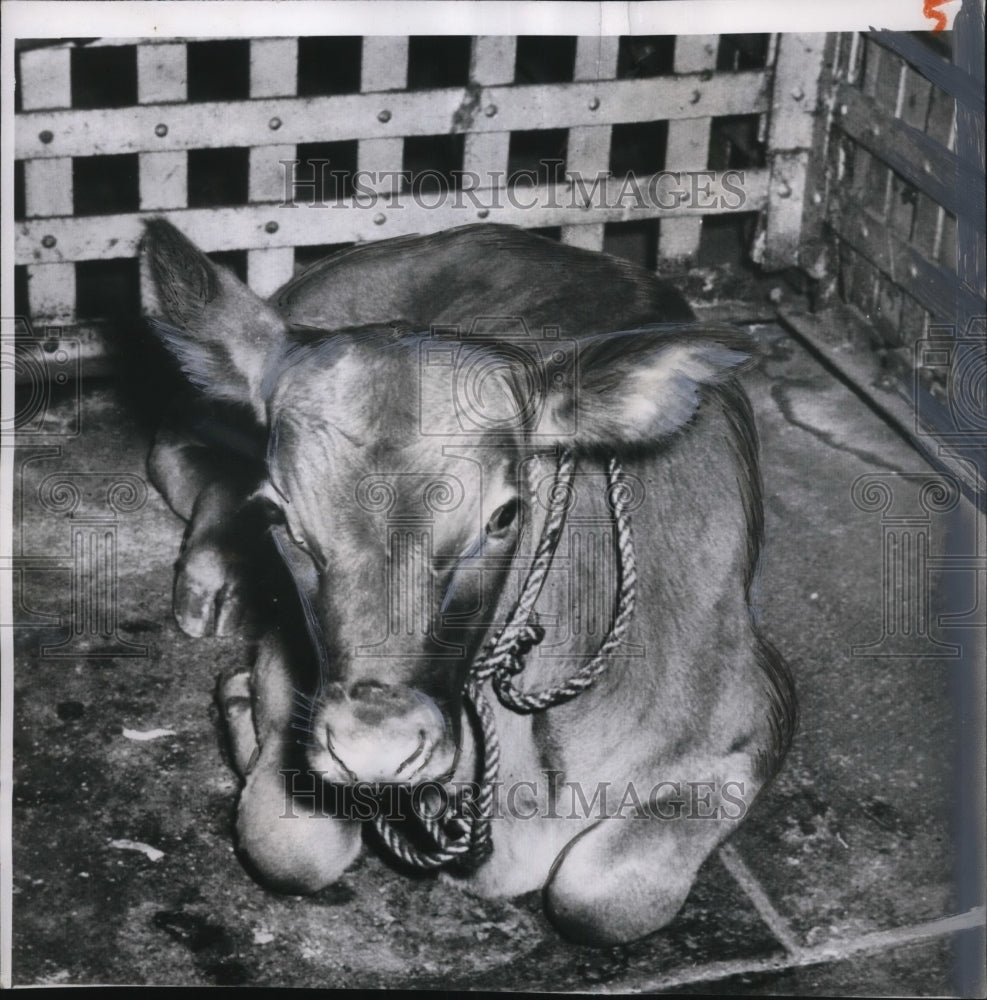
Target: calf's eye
(502, 518)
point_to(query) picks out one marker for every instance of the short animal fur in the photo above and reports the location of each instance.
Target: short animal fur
(330, 370)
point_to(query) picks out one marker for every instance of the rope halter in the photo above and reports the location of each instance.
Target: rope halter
(466, 838)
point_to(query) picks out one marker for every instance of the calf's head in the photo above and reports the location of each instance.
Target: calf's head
(397, 518)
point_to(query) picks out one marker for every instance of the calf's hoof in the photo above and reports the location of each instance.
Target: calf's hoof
(210, 593)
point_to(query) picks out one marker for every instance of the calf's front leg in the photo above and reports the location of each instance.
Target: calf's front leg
(288, 833)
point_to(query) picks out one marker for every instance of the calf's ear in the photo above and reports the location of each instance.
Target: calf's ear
(639, 386)
(224, 337)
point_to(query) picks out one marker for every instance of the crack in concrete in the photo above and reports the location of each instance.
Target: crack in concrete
(785, 408)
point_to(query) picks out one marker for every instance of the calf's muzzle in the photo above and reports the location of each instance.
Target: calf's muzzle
(376, 732)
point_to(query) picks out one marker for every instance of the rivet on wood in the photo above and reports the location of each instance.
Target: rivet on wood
(483, 213)
(490, 110)
(161, 130)
(46, 136)
(274, 124)
(784, 190)
(797, 94)
(594, 103)
(270, 227)
(696, 97)
(927, 167)
(913, 271)
(384, 116)
(864, 231)
(380, 219)
(48, 242)
(816, 198)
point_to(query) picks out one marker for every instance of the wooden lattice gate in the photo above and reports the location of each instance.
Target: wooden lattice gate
(737, 111)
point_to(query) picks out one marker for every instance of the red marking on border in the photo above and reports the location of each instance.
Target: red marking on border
(930, 11)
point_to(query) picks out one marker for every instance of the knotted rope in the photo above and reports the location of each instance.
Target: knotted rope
(466, 838)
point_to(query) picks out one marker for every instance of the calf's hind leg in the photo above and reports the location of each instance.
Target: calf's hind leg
(627, 876)
(290, 842)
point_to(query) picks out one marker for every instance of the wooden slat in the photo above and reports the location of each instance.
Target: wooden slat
(162, 73)
(112, 236)
(492, 60)
(163, 180)
(273, 67)
(46, 79)
(273, 73)
(956, 81)
(934, 287)
(790, 143)
(51, 292)
(589, 145)
(384, 63)
(915, 155)
(356, 116)
(688, 147)
(46, 82)
(384, 67)
(268, 270)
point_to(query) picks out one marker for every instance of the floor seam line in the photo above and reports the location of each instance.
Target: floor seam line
(826, 953)
(755, 892)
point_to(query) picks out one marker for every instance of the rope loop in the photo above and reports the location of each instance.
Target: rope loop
(465, 839)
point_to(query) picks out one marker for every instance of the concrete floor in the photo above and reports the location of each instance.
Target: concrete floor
(849, 878)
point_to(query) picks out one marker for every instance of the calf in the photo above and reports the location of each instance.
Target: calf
(516, 487)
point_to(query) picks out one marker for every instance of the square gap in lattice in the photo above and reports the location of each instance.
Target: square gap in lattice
(306, 257)
(218, 177)
(105, 185)
(20, 208)
(104, 77)
(219, 70)
(726, 239)
(634, 241)
(542, 59)
(537, 156)
(434, 163)
(740, 52)
(638, 148)
(107, 289)
(329, 65)
(442, 61)
(22, 305)
(324, 172)
(734, 143)
(645, 55)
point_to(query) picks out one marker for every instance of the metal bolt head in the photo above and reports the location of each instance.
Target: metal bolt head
(161, 130)
(48, 241)
(490, 110)
(274, 124)
(384, 116)
(784, 190)
(483, 213)
(797, 94)
(46, 136)
(594, 103)
(816, 198)
(695, 97)
(380, 219)
(270, 227)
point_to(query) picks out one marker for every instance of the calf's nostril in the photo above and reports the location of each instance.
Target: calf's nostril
(366, 689)
(333, 692)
